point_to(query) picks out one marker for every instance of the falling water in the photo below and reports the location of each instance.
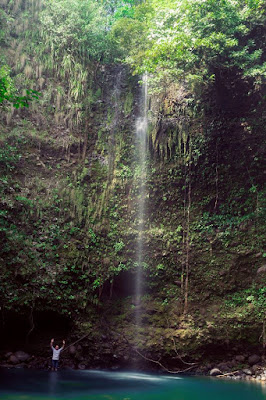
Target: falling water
(141, 149)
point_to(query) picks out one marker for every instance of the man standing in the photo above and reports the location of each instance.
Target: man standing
(56, 354)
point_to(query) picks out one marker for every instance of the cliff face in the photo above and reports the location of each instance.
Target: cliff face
(68, 208)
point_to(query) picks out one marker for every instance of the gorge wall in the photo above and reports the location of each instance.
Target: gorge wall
(68, 211)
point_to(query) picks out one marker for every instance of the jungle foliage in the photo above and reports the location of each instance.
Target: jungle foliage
(8, 93)
(192, 40)
(69, 178)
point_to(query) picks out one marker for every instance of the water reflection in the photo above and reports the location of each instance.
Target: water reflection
(52, 383)
(100, 385)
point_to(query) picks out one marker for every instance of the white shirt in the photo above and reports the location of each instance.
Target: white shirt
(56, 353)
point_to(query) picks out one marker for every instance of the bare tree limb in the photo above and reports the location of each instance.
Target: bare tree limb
(227, 374)
(161, 365)
(72, 344)
(158, 362)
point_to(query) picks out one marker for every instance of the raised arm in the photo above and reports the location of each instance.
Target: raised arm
(64, 342)
(51, 344)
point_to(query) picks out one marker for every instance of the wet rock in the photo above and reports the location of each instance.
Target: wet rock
(22, 356)
(247, 371)
(254, 359)
(68, 368)
(115, 367)
(69, 365)
(22, 365)
(13, 359)
(256, 369)
(215, 372)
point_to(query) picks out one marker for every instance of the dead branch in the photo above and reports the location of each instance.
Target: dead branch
(72, 344)
(161, 365)
(179, 357)
(175, 348)
(151, 360)
(227, 374)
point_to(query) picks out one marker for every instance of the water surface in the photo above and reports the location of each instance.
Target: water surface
(18, 384)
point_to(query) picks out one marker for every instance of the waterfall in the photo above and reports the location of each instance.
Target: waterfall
(141, 171)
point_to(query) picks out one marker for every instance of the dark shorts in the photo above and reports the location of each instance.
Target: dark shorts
(55, 364)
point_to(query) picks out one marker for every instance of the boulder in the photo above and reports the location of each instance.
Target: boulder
(240, 359)
(72, 350)
(223, 367)
(254, 359)
(22, 356)
(215, 372)
(230, 364)
(22, 365)
(7, 355)
(13, 359)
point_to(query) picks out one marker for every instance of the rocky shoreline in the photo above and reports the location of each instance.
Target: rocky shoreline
(241, 367)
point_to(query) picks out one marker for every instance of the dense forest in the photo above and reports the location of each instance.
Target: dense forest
(71, 90)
